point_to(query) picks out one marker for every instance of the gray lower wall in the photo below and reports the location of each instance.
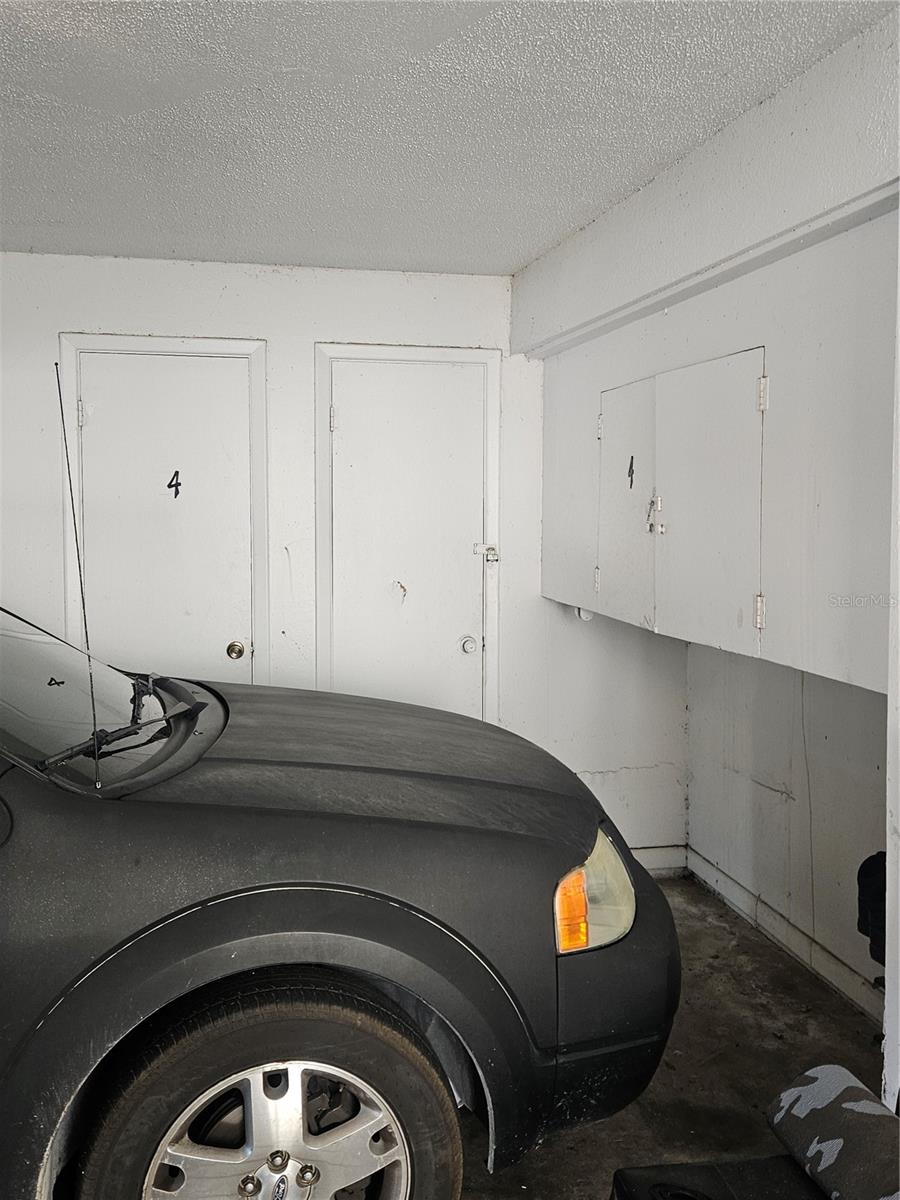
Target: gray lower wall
(786, 798)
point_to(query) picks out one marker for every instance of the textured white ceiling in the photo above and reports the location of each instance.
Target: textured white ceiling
(415, 136)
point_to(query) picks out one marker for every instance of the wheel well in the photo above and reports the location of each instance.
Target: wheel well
(450, 1052)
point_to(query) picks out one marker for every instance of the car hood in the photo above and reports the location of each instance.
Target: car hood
(353, 756)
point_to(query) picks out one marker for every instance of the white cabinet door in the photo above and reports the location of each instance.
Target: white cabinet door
(166, 508)
(407, 468)
(625, 587)
(708, 479)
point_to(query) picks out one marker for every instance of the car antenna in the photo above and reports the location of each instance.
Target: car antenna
(84, 620)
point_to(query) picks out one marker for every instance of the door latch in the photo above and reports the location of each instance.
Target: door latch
(490, 552)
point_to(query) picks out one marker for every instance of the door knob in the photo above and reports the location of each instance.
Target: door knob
(235, 649)
(468, 645)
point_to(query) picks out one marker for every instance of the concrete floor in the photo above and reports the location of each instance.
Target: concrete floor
(751, 1019)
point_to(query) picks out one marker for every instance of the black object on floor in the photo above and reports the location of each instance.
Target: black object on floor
(871, 882)
(777, 1178)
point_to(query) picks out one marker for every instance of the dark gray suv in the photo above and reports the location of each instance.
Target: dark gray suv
(264, 942)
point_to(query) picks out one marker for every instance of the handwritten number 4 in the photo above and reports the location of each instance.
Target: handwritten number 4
(175, 484)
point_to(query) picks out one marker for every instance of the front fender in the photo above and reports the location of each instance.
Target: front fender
(285, 924)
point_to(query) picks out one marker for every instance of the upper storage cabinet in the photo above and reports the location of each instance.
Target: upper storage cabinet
(790, 505)
(678, 547)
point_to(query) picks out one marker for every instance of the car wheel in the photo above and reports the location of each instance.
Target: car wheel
(282, 1092)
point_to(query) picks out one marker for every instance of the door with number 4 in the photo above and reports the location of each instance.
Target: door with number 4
(170, 481)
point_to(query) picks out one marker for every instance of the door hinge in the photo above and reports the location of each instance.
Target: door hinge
(490, 552)
(599, 427)
(331, 418)
(79, 408)
(762, 393)
(596, 579)
(655, 506)
(759, 618)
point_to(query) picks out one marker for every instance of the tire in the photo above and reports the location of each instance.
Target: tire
(212, 1101)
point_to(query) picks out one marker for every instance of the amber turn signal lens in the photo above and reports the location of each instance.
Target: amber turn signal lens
(571, 908)
(595, 904)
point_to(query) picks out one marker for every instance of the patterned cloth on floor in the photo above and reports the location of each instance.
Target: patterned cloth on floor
(841, 1134)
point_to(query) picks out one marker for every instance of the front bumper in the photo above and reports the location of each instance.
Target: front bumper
(616, 1007)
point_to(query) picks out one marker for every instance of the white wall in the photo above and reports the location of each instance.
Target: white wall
(609, 705)
(784, 848)
(291, 309)
(605, 698)
(779, 231)
(786, 800)
(823, 141)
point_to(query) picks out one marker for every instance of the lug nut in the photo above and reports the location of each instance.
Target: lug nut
(249, 1186)
(278, 1160)
(308, 1174)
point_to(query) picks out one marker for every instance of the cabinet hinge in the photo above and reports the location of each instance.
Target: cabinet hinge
(759, 619)
(596, 579)
(80, 410)
(331, 418)
(762, 393)
(599, 426)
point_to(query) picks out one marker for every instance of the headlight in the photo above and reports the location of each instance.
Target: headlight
(594, 904)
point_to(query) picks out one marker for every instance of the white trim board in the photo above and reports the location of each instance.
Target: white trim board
(837, 220)
(662, 860)
(71, 348)
(326, 354)
(891, 1080)
(811, 953)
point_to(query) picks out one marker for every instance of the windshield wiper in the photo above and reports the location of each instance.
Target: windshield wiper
(103, 737)
(142, 686)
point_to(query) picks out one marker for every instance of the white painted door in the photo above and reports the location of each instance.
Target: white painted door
(708, 479)
(407, 459)
(626, 519)
(165, 461)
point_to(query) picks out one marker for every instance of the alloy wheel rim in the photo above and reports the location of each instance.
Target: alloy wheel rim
(293, 1130)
